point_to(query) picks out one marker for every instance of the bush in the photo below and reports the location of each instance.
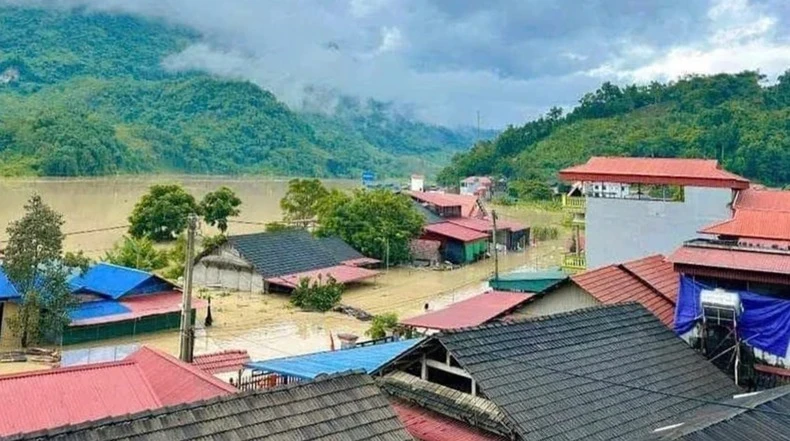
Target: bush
(382, 324)
(542, 233)
(504, 201)
(321, 295)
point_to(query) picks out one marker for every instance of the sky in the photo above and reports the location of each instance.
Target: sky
(445, 60)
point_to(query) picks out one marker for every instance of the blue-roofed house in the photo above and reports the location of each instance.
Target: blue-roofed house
(369, 359)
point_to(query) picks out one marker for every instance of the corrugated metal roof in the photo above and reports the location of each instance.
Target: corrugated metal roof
(624, 283)
(101, 308)
(7, 289)
(467, 203)
(51, 398)
(667, 171)
(138, 306)
(429, 426)
(220, 362)
(341, 273)
(486, 225)
(765, 261)
(309, 366)
(470, 312)
(110, 280)
(453, 231)
(756, 224)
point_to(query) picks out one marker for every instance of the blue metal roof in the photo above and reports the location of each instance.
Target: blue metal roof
(309, 366)
(7, 289)
(102, 308)
(111, 280)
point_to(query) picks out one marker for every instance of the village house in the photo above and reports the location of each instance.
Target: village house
(607, 372)
(146, 380)
(479, 186)
(339, 407)
(668, 201)
(277, 261)
(112, 301)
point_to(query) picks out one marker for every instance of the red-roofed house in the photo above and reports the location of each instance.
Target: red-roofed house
(450, 205)
(473, 311)
(148, 379)
(458, 244)
(223, 364)
(659, 203)
(762, 218)
(650, 281)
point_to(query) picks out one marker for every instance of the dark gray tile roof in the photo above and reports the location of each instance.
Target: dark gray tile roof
(754, 418)
(564, 377)
(429, 216)
(339, 249)
(475, 411)
(343, 407)
(283, 252)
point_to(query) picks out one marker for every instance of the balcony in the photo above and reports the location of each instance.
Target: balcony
(574, 204)
(572, 262)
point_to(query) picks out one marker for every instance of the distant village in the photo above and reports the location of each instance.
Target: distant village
(666, 316)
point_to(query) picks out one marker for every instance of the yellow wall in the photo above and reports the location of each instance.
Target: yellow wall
(7, 338)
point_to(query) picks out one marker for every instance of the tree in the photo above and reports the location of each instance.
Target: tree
(378, 223)
(77, 260)
(161, 214)
(302, 200)
(382, 324)
(533, 190)
(218, 206)
(321, 295)
(137, 253)
(34, 264)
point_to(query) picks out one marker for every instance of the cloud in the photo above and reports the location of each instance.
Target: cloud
(447, 59)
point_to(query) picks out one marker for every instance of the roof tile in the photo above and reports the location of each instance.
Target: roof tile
(733, 258)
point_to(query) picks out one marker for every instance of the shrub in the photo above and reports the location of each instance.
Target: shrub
(382, 324)
(542, 233)
(321, 295)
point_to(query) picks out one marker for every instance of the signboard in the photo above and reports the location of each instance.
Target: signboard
(368, 178)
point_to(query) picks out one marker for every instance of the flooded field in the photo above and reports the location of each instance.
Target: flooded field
(106, 203)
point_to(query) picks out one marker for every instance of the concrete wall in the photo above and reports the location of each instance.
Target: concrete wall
(7, 338)
(568, 297)
(624, 229)
(210, 275)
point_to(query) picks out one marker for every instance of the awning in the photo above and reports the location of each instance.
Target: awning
(341, 273)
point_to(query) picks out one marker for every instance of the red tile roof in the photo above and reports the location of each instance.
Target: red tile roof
(467, 203)
(650, 281)
(220, 362)
(56, 397)
(767, 200)
(454, 231)
(756, 260)
(176, 382)
(756, 224)
(668, 171)
(143, 306)
(485, 225)
(341, 273)
(425, 425)
(470, 312)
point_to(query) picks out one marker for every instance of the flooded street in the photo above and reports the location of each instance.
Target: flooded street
(267, 326)
(105, 204)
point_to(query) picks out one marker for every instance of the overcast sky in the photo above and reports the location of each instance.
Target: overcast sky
(446, 59)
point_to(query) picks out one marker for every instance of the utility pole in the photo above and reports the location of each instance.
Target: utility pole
(187, 332)
(496, 251)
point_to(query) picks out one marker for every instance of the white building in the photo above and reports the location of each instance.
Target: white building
(417, 183)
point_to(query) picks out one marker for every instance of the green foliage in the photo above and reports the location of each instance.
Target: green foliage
(211, 242)
(137, 253)
(77, 260)
(92, 98)
(301, 201)
(531, 190)
(161, 214)
(176, 257)
(321, 295)
(272, 227)
(378, 223)
(382, 324)
(33, 262)
(217, 206)
(727, 117)
(542, 233)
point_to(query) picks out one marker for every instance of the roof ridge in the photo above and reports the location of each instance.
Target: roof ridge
(544, 318)
(136, 270)
(62, 369)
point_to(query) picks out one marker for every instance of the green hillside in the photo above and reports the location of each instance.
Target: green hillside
(734, 118)
(85, 94)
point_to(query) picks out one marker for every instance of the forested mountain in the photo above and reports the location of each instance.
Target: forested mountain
(737, 119)
(85, 94)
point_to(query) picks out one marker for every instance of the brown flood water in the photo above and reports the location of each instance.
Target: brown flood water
(101, 203)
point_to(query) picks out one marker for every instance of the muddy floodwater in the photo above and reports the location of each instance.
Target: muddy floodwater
(105, 204)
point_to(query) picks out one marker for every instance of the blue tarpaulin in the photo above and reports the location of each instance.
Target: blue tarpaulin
(309, 366)
(763, 324)
(89, 310)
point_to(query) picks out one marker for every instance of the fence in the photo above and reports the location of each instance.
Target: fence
(264, 380)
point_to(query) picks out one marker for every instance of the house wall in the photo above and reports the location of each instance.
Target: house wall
(211, 275)
(569, 297)
(7, 338)
(618, 230)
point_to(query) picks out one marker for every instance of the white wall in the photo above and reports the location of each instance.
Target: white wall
(569, 297)
(624, 229)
